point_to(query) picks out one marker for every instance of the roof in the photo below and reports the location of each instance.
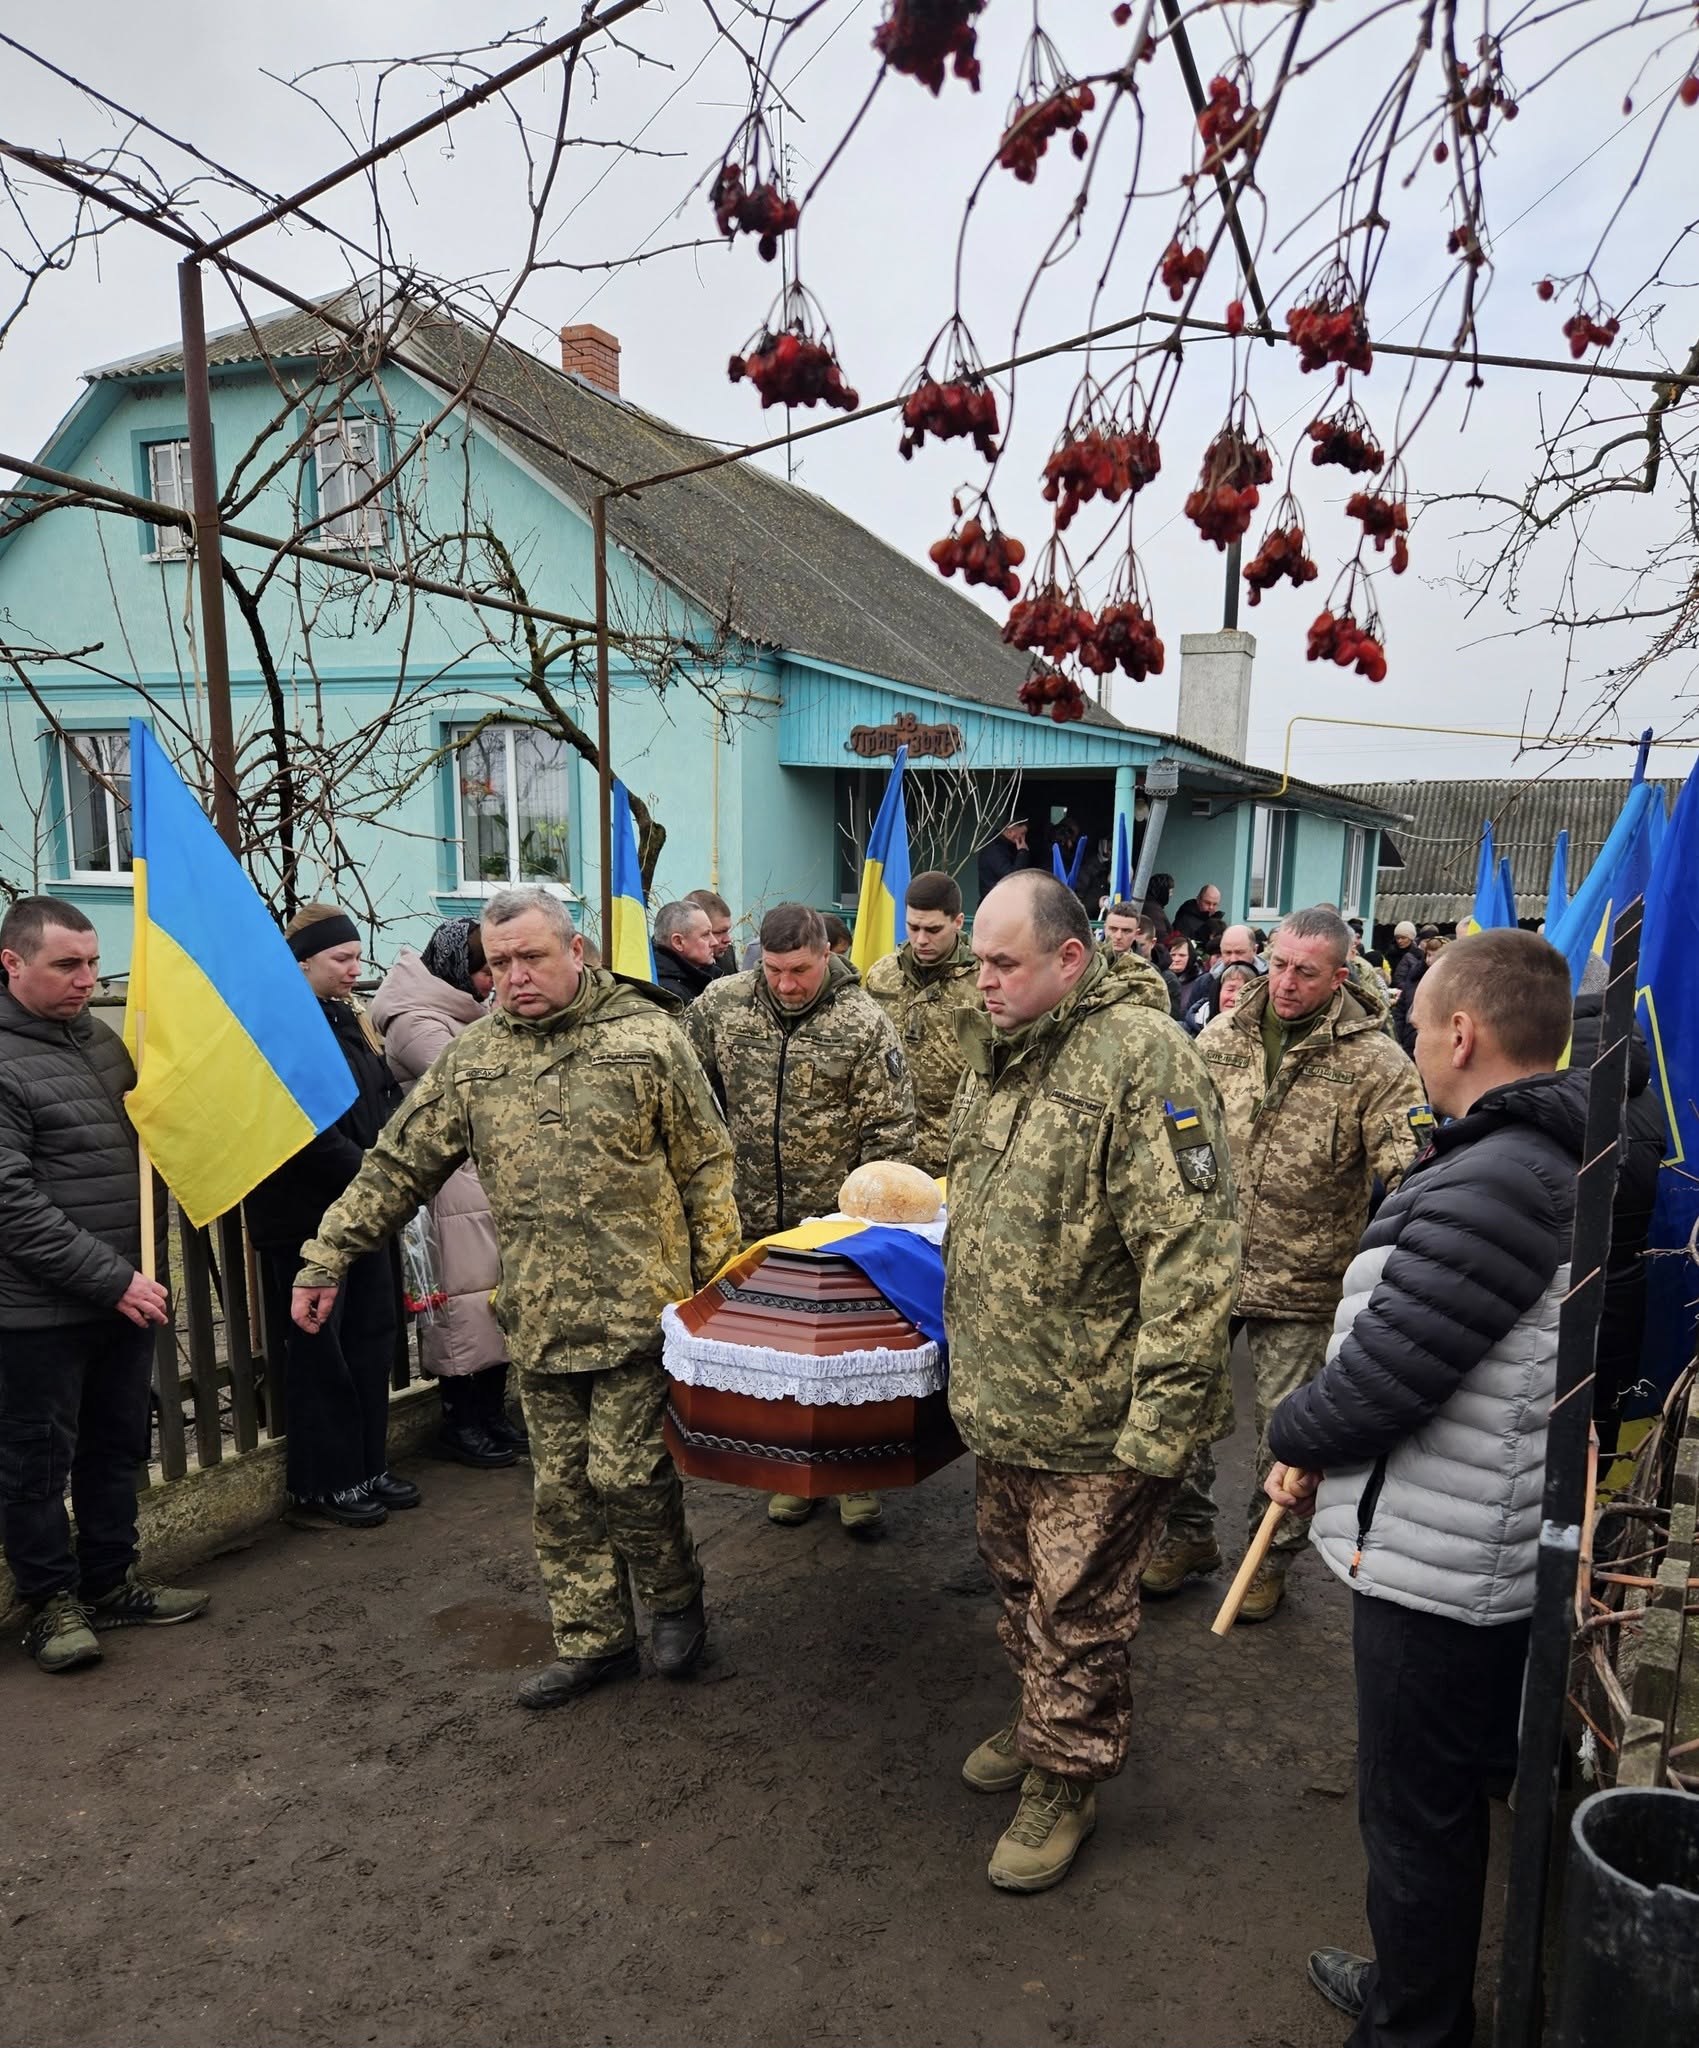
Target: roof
(1440, 844)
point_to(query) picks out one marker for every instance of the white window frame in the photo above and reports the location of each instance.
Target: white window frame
(1274, 826)
(175, 487)
(1356, 860)
(485, 885)
(64, 746)
(362, 526)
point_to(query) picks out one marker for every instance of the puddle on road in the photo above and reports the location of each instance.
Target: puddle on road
(490, 1637)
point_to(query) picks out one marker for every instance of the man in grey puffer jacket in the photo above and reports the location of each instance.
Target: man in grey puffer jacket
(1426, 1430)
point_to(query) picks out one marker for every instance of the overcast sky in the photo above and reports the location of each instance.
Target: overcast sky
(878, 248)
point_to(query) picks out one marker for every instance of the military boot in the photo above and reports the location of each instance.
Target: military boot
(1181, 1555)
(789, 1508)
(996, 1765)
(1039, 1845)
(861, 1514)
(569, 1677)
(677, 1640)
(1267, 1589)
(59, 1637)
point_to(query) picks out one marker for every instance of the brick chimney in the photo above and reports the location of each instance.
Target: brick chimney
(594, 353)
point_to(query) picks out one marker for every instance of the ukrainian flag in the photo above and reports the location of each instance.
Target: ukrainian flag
(1621, 872)
(1488, 912)
(880, 916)
(236, 1067)
(629, 950)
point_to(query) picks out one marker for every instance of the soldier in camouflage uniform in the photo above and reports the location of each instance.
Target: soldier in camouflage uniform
(1089, 1273)
(813, 1084)
(607, 1169)
(920, 987)
(1320, 1103)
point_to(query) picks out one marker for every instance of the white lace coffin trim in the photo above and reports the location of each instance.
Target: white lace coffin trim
(848, 1380)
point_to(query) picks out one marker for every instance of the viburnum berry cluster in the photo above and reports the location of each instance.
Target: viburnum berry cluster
(1583, 333)
(1227, 124)
(1124, 637)
(1048, 690)
(981, 553)
(1182, 267)
(791, 368)
(1094, 460)
(758, 210)
(1226, 496)
(1032, 123)
(1343, 439)
(1282, 556)
(1331, 327)
(1049, 621)
(1384, 519)
(1338, 638)
(922, 37)
(949, 412)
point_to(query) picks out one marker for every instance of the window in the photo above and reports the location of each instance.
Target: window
(346, 464)
(1356, 848)
(96, 769)
(1271, 836)
(168, 484)
(512, 807)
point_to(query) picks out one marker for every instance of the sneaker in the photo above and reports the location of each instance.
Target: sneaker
(789, 1508)
(1266, 1591)
(1039, 1845)
(352, 1508)
(996, 1766)
(861, 1514)
(137, 1603)
(1180, 1557)
(59, 1637)
(1341, 1978)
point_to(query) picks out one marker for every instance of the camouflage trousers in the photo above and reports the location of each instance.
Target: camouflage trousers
(1065, 1550)
(1284, 1356)
(607, 1504)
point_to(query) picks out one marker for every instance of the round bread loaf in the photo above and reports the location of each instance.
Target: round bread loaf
(889, 1191)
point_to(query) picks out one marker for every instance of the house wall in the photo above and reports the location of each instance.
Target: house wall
(1199, 850)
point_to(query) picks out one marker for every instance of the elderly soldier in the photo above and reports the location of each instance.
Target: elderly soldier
(608, 1174)
(920, 987)
(1089, 1275)
(1320, 1103)
(814, 1084)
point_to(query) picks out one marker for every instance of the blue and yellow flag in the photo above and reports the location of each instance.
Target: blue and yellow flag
(236, 1067)
(1622, 871)
(907, 1269)
(880, 917)
(1488, 913)
(629, 950)
(1557, 888)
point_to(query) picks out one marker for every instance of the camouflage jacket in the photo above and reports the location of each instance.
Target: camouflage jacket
(1092, 1250)
(603, 1158)
(1345, 1107)
(921, 1003)
(808, 1097)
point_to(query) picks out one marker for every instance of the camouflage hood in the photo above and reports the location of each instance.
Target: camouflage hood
(1350, 1010)
(1106, 982)
(601, 997)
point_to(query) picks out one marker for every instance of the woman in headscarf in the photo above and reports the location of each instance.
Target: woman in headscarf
(426, 1001)
(336, 1379)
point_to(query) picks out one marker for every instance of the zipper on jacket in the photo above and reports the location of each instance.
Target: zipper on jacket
(1366, 1510)
(778, 1125)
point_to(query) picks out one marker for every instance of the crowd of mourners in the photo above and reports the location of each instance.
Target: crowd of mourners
(1160, 1133)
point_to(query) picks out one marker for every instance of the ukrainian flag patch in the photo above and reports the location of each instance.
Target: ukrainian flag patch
(1193, 1152)
(1422, 1121)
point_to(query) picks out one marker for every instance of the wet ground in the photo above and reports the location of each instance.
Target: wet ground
(318, 1816)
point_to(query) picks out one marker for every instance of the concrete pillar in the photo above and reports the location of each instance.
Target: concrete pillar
(1126, 790)
(1215, 690)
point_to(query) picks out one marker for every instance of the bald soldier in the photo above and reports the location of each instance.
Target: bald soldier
(1089, 1272)
(608, 1172)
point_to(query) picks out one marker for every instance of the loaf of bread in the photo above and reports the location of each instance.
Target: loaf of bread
(888, 1191)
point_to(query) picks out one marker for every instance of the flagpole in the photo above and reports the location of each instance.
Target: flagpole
(144, 1171)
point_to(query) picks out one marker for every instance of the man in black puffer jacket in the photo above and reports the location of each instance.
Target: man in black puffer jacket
(1426, 1430)
(76, 1316)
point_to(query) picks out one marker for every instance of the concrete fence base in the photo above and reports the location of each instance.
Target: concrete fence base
(185, 1521)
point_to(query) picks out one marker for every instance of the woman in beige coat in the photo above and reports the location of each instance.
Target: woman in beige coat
(426, 1001)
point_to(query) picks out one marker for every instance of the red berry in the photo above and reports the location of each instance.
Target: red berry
(1545, 288)
(1689, 93)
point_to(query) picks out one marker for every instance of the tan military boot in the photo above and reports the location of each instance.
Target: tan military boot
(995, 1766)
(1267, 1589)
(861, 1514)
(1179, 1557)
(1039, 1845)
(789, 1508)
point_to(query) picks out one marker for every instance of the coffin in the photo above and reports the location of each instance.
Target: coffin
(792, 1373)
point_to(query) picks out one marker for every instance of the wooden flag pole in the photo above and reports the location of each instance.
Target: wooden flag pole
(1223, 1622)
(150, 1250)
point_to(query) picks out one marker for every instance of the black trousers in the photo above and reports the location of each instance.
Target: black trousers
(73, 1406)
(1438, 1704)
(335, 1380)
(472, 1397)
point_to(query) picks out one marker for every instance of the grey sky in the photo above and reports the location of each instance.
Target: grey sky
(877, 249)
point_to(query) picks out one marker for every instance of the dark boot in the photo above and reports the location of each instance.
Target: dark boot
(568, 1677)
(676, 1641)
(492, 1386)
(466, 1436)
(393, 1492)
(353, 1508)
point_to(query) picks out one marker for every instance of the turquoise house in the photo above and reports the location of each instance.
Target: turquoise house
(393, 749)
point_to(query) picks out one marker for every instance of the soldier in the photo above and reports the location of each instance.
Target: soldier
(1089, 1273)
(814, 1084)
(1320, 1103)
(608, 1173)
(920, 987)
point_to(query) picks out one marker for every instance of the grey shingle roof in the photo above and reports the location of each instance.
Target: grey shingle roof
(1441, 843)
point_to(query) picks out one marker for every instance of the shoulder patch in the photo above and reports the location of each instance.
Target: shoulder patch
(1193, 1153)
(894, 1063)
(1422, 1121)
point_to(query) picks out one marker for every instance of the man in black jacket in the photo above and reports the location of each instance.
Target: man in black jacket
(1007, 852)
(685, 962)
(76, 1316)
(1426, 1430)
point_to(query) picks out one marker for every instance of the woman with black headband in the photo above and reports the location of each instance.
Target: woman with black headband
(336, 1379)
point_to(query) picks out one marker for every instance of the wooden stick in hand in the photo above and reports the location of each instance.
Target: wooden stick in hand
(1224, 1620)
